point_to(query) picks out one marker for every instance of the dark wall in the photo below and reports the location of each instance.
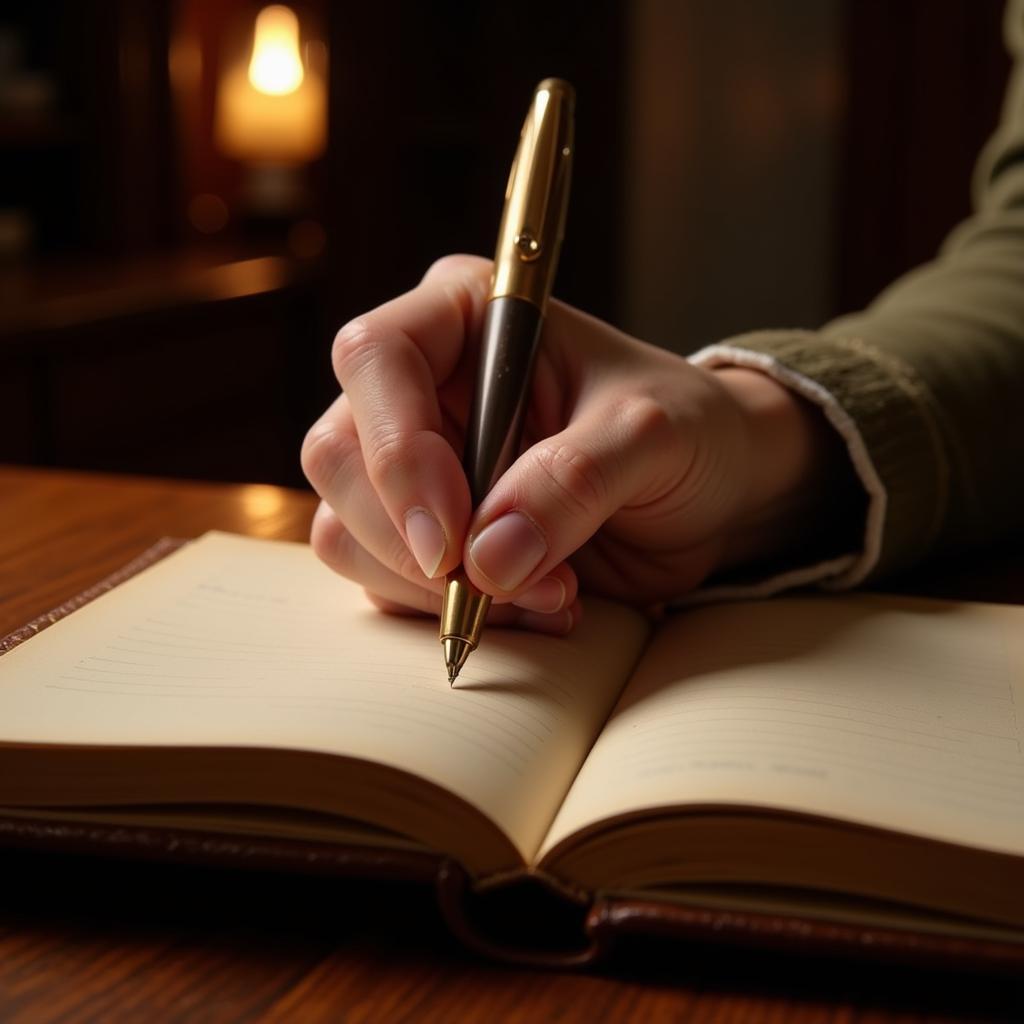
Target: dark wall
(96, 170)
(426, 105)
(925, 82)
(736, 113)
(427, 99)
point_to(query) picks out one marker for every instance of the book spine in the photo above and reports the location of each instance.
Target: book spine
(525, 920)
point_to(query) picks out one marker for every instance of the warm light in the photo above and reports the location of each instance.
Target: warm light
(260, 503)
(273, 111)
(276, 67)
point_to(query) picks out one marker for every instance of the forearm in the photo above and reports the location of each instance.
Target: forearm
(926, 384)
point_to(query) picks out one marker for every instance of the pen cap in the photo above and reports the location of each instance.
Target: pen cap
(537, 197)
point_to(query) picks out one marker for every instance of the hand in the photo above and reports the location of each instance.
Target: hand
(641, 474)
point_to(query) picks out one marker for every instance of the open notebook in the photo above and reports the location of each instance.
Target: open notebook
(849, 759)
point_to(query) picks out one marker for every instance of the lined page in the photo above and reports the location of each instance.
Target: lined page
(894, 712)
(240, 642)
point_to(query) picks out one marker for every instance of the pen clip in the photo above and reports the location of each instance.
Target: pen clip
(536, 197)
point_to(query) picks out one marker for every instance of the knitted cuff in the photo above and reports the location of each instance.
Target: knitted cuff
(884, 414)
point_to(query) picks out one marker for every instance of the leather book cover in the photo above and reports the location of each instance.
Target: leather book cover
(524, 921)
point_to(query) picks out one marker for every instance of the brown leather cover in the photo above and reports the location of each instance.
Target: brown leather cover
(612, 920)
(223, 850)
(523, 922)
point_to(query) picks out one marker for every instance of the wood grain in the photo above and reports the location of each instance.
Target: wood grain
(85, 940)
(62, 531)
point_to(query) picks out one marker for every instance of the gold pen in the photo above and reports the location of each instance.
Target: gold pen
(529, 239)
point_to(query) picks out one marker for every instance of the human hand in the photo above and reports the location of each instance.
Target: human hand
(641, 474)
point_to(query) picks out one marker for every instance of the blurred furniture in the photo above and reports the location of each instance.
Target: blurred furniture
(196, 365)
(90, 159)
(129, 339)
(149, 325)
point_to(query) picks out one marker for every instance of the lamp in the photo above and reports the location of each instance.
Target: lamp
(271, 112)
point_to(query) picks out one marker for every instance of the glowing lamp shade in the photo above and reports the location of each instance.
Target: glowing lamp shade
(276, 67)
(272, 108)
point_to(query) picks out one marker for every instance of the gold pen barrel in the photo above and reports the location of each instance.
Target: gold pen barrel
(529, 240)
(537, 197)
(464, 610)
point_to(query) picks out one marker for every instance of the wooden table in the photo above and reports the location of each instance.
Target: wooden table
(85, 941)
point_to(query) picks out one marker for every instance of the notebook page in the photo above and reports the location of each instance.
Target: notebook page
(896, 712)
(240, 642)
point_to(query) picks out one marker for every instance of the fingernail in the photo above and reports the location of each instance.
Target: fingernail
(508, 550)
(548, 595)
(426, 540)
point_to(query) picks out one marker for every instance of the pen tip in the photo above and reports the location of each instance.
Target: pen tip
(456, 651)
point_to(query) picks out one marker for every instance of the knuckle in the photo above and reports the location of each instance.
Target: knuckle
(465, 280)
(398, 458)
(325, 452)
(645, 421)
(454, 264)
(444, 265)
(574, 478)
(353, 344)
(390, 461)
(332, 544)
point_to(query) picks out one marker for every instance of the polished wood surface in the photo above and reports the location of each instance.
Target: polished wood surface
(60, 531)
(85, 941)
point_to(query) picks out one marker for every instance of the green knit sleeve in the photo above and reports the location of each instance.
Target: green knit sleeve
(930, 377)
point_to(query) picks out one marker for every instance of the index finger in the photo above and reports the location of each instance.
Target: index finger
(390, 363)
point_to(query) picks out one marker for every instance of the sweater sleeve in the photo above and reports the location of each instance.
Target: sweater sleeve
(927, 384)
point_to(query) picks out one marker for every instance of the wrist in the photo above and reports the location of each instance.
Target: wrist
(798, 470)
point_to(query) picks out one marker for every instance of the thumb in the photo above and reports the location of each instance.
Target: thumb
(560, 492)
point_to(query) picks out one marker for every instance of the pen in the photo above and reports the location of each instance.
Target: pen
(529, 238)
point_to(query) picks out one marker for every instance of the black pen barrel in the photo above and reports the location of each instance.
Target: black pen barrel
(508, 347)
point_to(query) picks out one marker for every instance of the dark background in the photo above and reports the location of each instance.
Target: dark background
(716, 144)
